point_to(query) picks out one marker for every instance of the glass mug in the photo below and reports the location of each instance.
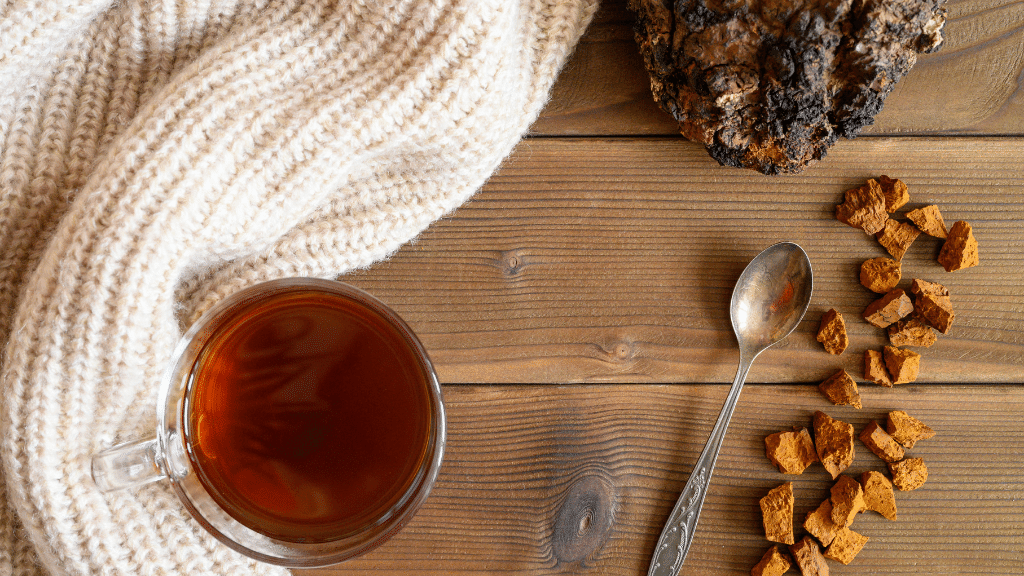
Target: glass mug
(300, 422)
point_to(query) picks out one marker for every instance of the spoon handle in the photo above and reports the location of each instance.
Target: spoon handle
(677, 535)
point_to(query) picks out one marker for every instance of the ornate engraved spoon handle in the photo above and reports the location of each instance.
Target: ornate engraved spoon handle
(677, 534)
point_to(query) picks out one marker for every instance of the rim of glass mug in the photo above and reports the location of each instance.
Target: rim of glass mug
(140, 462)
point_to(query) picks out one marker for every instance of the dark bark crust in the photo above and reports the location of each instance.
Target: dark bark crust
(772, 84)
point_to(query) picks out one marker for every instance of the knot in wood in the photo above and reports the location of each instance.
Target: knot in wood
(620, 352)
(511, 262)
(623, 351)
(584, 519)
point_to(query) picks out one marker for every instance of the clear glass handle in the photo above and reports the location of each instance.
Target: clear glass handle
(127, 465)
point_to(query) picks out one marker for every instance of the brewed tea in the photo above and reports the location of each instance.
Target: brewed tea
(309, 416)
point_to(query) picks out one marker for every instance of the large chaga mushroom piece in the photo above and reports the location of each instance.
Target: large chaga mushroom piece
(772, 84)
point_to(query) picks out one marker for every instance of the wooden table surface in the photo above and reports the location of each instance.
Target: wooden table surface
(576, 311)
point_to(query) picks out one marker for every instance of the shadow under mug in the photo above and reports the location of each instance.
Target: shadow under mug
(300, 422)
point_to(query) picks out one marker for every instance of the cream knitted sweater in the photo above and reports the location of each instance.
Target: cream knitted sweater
(156, 155)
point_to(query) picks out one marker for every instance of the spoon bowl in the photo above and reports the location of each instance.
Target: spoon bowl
(771, 296)
(768, 302)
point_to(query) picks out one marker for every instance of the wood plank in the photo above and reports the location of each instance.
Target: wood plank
(973, 85)
(614, 260)
(579, 479)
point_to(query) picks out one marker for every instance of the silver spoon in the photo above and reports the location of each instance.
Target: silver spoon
(768, 302)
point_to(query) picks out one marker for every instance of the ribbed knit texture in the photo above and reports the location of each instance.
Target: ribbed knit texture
(156, 155)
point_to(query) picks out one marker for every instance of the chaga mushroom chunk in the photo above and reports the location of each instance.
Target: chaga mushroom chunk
(833, 439)
(878, 494)
(772, 84)
(777, 513)
(791, 452)
(774, 563)
(847, 501)
(820, 525)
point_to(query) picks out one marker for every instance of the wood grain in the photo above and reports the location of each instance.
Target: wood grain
(973, 85)
(609, 262)
(579, 479)
(614, 260)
